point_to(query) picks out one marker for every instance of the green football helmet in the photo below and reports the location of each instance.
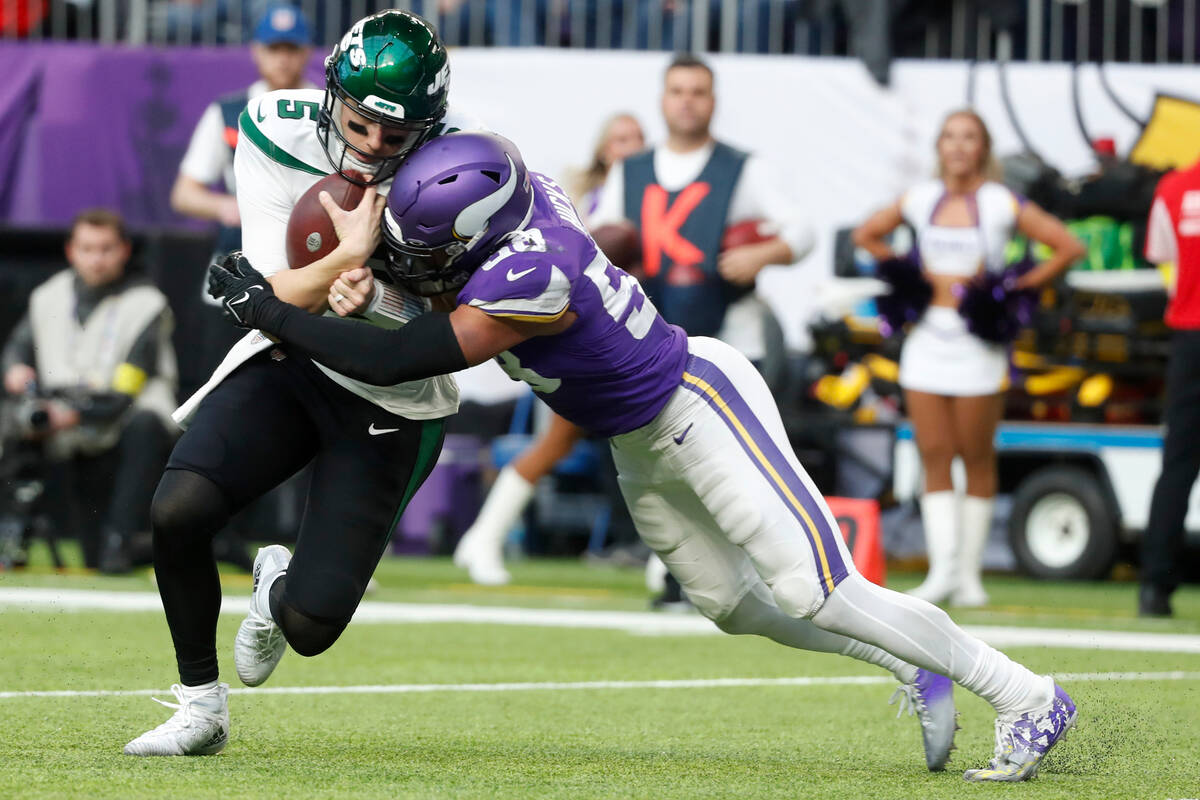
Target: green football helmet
(391, 69)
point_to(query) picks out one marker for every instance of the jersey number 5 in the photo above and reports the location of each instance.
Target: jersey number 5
(622, 296)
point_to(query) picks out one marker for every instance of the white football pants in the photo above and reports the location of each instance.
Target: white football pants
(715, 489)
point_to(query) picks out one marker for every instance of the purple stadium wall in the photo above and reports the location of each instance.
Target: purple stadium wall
(85, 125)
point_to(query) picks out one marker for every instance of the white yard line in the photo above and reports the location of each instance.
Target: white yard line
(636, 622)
(556, 686)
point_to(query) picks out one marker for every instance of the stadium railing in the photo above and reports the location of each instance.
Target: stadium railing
(1056, 30)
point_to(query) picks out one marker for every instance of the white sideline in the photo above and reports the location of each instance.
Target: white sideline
(713, 683)
(636, 622)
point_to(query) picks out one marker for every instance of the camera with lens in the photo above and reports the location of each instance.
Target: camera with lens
(25, 423)
(29, 417)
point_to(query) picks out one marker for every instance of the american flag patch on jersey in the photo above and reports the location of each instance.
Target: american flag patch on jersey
(399, 306)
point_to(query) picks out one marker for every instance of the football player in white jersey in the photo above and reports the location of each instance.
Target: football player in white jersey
(265, 413)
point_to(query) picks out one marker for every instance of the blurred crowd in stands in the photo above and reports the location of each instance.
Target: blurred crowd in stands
(875, 30)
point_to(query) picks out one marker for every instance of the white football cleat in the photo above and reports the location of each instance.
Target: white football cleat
(199, 726)
(260, 643)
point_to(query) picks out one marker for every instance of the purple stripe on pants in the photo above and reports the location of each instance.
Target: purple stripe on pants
(829, 538)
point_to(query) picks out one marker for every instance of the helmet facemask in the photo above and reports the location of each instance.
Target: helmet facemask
(353, 163)
(426, 271)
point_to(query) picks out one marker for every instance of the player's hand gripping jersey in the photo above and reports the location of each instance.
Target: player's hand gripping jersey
(612, 370)
(280, 156)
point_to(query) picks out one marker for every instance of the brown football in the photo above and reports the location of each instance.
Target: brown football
(750, 231)
(310, 234)
(621, 244)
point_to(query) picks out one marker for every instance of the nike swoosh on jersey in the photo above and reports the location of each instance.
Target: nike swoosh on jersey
(377, 431)
(261, 116)
(513, 276)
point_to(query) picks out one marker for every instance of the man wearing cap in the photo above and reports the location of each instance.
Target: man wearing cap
(281, 46)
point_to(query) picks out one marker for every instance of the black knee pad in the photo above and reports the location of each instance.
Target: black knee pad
(306, 635)
(187, 511)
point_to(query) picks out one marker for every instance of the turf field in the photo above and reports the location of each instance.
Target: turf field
(547, 708)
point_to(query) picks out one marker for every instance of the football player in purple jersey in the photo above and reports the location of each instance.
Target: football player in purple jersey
(704, 462)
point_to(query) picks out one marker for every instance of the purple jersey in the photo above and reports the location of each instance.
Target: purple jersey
(616, 366)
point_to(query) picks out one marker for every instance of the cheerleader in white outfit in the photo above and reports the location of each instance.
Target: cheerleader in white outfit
(952, 380)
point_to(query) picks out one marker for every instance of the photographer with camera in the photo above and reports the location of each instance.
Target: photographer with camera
(92, 373)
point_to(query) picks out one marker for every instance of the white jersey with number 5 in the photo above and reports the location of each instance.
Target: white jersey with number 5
(279, 157)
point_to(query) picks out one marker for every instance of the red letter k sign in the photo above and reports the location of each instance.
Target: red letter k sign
(660, 227)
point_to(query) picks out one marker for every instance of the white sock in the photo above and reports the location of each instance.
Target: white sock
(976, 527)
(758, 614)
(1006, 684)
(939, 516)
(505, 502)
(920, 633)
(202, 688)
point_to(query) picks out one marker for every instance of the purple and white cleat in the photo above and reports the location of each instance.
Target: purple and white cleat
(1023, 741)
(931, 697)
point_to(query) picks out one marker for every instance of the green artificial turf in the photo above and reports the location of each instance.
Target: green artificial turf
(1135, 739)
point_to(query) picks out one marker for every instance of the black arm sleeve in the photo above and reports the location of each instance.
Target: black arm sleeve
(19, 348)
(423, 348)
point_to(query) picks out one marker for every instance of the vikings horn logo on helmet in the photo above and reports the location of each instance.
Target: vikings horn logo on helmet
(474, 218)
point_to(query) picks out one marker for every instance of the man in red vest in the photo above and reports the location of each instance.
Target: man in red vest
(1173, 237)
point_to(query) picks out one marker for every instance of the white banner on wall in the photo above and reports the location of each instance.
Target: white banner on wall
(841, 144)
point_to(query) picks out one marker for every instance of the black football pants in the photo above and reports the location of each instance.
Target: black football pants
(1162, 547)
(258, 427)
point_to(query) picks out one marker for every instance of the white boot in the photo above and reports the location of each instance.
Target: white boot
(199, 726)
(976, 527)
(939, 515)
(481, 549)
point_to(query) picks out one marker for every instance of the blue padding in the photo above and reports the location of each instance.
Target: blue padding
(582, 460)
(1068, 437)
(522, 413)
(599, 534)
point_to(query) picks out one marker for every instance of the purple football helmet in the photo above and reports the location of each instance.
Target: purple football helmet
(452, 202)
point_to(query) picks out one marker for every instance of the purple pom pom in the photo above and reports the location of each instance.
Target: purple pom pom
(909, 296)
(994, 309)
